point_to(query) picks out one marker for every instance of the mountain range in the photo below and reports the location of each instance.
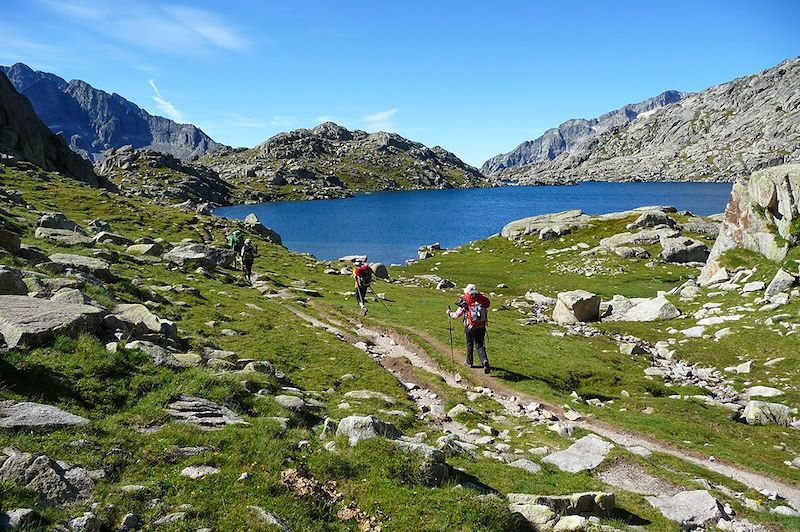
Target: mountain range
(92, 121)
(718, 134)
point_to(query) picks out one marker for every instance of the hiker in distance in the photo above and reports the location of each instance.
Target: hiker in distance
(246, 256)
(362, 274)
(473, 306)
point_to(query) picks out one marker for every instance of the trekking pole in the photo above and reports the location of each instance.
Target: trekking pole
(379, 299)
(450, 318)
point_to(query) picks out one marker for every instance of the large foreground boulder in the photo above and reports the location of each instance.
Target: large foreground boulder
(56, 483)
(30, 322)
(576, 306)
(762, 216)
(200, 255)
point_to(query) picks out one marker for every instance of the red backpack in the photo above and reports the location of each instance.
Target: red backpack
(476, 310)
(363, 275)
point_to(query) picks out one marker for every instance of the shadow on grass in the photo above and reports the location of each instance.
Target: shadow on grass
(35, 380)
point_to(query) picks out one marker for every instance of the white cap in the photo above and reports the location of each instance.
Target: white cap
(470, 288)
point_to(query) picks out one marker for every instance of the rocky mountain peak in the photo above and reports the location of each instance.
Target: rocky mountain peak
(24, 136)
(92, 120)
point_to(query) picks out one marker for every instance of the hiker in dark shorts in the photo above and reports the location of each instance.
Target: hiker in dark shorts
(473, 306)
(362, 274)
(246, 256)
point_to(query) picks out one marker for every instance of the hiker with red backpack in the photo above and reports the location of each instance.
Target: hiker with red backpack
(362, 274)
(473, 306)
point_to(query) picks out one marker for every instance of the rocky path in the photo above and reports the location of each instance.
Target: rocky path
(386, 345)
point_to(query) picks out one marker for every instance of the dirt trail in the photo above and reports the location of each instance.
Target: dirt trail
(403, 346)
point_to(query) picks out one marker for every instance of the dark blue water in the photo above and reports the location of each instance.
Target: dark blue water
(390, 226)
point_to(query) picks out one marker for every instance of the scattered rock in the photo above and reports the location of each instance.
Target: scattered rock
(69, 238)
(200, 256)
(527, 465)
(358, 428)
(692, 509)
(203, 413)
(683, 249)
(150, 250)
(268, 518)
(14, 415)
(197, 472)
(586, 453)
(21, 518)
(91, 265)
(782, 282)
(369, 394)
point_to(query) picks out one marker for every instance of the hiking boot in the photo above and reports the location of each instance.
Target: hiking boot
(486, 368)
(364, 311)
(467, 364)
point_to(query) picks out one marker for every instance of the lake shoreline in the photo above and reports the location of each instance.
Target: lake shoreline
(390, 226)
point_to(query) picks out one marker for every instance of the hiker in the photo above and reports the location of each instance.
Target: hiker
(473, 306)
(362, 274)
(246, 257)
(235, 241)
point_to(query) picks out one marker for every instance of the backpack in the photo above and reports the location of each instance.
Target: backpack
(476, 312)
(248, 253)
(364, 275)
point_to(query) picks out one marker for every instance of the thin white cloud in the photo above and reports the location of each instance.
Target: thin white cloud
(238, 120)
(283, 120)
(167, 29)
(382, 116)
(166, 107)
(382, 120)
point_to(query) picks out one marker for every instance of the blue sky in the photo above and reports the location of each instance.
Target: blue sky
(475, 78)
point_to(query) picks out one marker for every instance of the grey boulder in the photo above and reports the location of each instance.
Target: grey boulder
(652, 219)
(576, 306)
(14, 415)
(762, 413)
(150, 250)
(105, 237)
(9, 240)
(29, 322)
(683, 249)
(61, 262)
(200, 255)
(358, 428)
(11, 282)
(203, 413)
(586, 453)
(56, 483)
(782, 282)
(57, 220)
(655, 309)
(63, 236)
(252, 223)
(692, 509)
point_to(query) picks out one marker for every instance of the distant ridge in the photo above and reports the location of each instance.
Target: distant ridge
(719, 134)
(92, 121)
(572, 133)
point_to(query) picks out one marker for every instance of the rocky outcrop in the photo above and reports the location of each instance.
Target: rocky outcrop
(763, 215)
(719, 134)
(254, 225)
(163, 177)
(586, 453)
(24, 136)
(92, 121)
(203, 413)
(331, 161)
